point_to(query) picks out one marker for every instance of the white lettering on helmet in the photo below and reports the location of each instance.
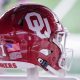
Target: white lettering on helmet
(38, 24)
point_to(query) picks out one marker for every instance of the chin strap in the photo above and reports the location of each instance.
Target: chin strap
(45, 65)
(53, 71)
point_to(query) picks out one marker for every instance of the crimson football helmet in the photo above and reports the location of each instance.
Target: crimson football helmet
(33, 34)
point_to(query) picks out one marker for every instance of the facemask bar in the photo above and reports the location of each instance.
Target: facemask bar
(66, 59)
(61, 39)
(67, 54)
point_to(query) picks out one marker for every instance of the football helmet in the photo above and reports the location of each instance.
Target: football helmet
(33, 34)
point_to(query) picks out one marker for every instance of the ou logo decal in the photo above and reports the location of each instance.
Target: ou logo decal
(38, 25)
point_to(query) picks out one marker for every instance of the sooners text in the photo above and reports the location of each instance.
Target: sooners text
(8, 65)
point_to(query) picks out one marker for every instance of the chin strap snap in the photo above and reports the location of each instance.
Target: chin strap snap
(43, 63)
